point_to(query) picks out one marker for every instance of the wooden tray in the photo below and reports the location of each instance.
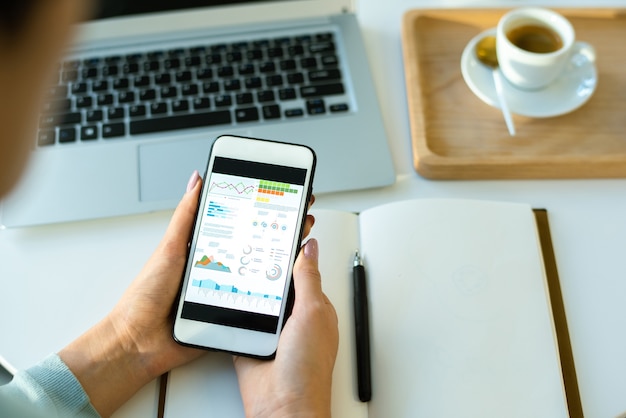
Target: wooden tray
(457, 136)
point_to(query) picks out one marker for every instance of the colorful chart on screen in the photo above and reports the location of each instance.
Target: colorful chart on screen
(242, 251)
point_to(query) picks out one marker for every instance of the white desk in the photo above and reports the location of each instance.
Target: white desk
(58, 280)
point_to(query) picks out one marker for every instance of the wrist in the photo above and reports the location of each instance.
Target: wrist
(108, 366)
(302, 403)
(301, 408)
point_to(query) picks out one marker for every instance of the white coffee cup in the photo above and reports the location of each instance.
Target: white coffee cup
(543, 44)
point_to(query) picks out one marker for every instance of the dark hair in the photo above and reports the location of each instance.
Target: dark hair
(13, 15)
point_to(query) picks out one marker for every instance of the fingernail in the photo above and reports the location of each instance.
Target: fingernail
(193, 180)
(311, 249)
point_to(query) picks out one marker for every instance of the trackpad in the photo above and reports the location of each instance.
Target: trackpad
(164, 168)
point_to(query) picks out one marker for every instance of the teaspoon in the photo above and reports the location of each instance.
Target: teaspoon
(486, 53)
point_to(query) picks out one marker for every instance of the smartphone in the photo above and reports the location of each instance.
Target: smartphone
(235, 291)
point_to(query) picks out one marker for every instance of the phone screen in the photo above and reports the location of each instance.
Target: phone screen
(240, 263)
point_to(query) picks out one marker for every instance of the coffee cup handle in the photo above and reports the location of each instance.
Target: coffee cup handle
(582, 53)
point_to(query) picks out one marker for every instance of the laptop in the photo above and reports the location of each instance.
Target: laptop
(148, 85)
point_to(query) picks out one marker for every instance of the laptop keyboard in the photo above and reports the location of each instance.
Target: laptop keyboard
(122, 96)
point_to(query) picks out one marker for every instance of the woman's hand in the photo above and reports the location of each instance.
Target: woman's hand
(298, 381)
(133, 344)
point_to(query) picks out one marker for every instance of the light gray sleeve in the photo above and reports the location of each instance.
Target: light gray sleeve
(48, 389)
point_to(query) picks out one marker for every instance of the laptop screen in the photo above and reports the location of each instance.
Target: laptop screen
(115, 8)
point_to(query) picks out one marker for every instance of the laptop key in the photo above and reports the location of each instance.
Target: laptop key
(155, 55)
(315, 106)
(211, 87)
(275, 52)
(225, 71)
(170, 123)
(244, 98)
(247, 114)
(339, 107)
(271, 112)
(213, 59)
(267, 67)
(134, 57)
(265, 96)
(326, 36)
(295, 78)
(303, 38)
(158, 108)
(253, 82)
(204, 73)
(69, 118)
(290, 113)
(67, 135)
(112, 130)
(88, 133)
(223, 100)
(130, 68)
(232, 84)
(234, 56)
(183, 76)
(330, 61)
(295, 50)
(322, 90)
(166, 92)
(46, 138)
(151, 66)
(120, 83)
(113, 59)
(254, 54)
(104, 99)
(79, 88)
(126, 97)
(171, 64)
(287, 94)
(94, 115)
(110, 71)
(322, 47)
(163, 78)
(324, 75)
(246, 69)
(116, 113)
(193, 61)
(136, 111)
(308, 62)
(287, 65)
(180, 105)
(84, 101)
(274, 80)
(142, 81)
(148, 94)
(201, 103)
(99, 85)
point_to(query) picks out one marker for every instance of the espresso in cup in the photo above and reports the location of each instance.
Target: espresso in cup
(536, 38)
(534, 46)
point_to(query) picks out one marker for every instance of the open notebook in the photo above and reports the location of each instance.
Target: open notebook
(466, 317)
(148, 85)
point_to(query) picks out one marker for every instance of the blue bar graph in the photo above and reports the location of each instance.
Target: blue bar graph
(211, 285)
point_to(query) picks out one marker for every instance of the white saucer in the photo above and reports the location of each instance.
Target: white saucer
(566, 94)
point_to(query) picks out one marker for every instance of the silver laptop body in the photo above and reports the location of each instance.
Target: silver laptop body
(71, 178)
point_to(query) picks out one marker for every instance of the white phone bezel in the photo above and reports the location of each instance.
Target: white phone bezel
(227, 338)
